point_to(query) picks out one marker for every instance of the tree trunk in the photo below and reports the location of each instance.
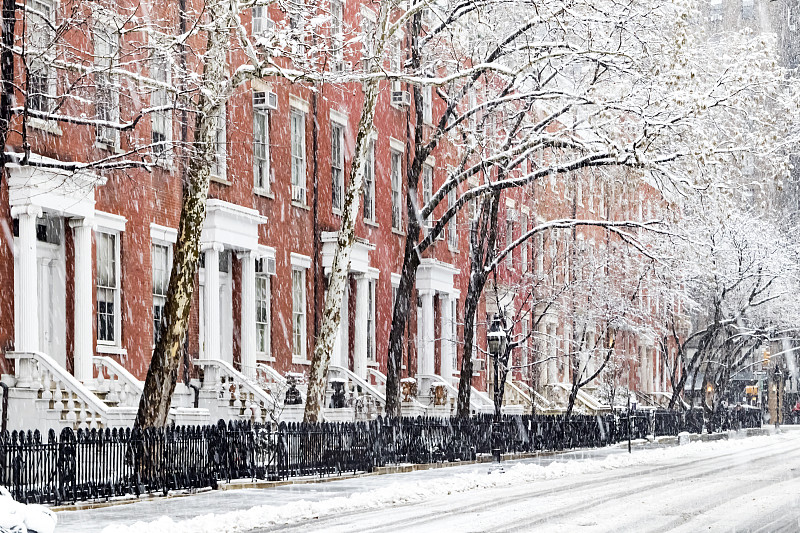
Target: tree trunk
(162, 374)
(332, 310)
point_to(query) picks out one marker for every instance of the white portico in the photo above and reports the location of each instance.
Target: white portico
(43, 196)
(230, 231)
(435, 278)
(365, 277)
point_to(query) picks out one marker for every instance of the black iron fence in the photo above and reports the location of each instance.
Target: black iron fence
(101, 464)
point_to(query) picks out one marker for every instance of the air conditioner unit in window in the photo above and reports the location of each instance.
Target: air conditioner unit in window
(269, 264)
(401, 98)
(265, 99)
(479, 365)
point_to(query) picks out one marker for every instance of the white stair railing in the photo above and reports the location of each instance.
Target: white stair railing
(120, 386)
(71, 400)
(353, 382)
(479, 401)
(542, 403)
(236, 391)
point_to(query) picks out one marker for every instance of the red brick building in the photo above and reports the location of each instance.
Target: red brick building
(89, 251)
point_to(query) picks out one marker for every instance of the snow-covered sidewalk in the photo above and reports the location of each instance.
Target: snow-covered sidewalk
(243, 510)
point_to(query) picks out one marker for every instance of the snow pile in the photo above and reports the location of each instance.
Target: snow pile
(407, 492)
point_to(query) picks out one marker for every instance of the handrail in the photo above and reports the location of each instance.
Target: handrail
(379, 376)
(587, 400)
(241, 380)
(279, 379)
(71, 384)
(121, 372)
(364, 384)
(542, 400)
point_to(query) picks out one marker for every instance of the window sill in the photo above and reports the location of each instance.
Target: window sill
(47, 126)
(371, 223)
(217, 179)
(297, 204)
(108, 147)
(300, 361)
(453, 249)
(262, 358)
(373, 364)
(398, 232)
(111, 349)
(264, 193)
(337, 212)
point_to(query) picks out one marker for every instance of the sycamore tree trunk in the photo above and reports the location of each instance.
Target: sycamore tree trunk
(332, 310)
(162, 373)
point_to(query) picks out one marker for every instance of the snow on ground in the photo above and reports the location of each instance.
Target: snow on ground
(403, 489)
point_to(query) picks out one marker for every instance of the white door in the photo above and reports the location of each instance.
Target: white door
(50, 289)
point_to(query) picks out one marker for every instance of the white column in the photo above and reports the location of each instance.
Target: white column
(552, 351)
(339, 355)
(447, 337)
(425, 362)
(248, 314)
(212, 318)
(82, 314)
(362, 316)
(28, 298)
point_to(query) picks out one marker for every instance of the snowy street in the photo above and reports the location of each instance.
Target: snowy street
(737, 485)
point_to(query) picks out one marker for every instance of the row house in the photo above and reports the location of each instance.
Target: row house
(89, 249)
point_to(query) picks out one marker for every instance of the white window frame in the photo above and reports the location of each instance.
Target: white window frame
(161, 121)
(160, 298)
(106, 49)
(263, 26)
(219, 168)
(509, 239)
(454, 330)
(297, 127)
(337, 32)
(396, 163)
(452, 224)
(369, 182)
(372, 287)
(42, 36)
(161, 236)
(263, 321)
(261, 164)
(523, 253)
(427, 192)
(300, 265)
(115, 288)
(337, 167)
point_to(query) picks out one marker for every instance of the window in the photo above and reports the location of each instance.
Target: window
(337, 34)
(263, 310)
(262, 25)
(337, 168)
(397, 188)
(523, 349)
(523, 254)
(108, 306)
(299, 314)
(219, 169)
(509, 239)
(540, 254)
(454, 331)
(41, 83)
(747, 9)
(106, 49)
(260, 142)
(160, 257)
(371, 320)
(427, 191)
(161, 120)
(473, 103)
(396, 63)
(427, 104)
(369, 183)
(452, 225)
(368, 26)
(298, 134)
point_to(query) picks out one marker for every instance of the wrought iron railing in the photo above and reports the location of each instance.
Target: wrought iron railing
(101, 464)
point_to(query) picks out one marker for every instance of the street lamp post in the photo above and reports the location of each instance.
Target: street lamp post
(496, 341)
